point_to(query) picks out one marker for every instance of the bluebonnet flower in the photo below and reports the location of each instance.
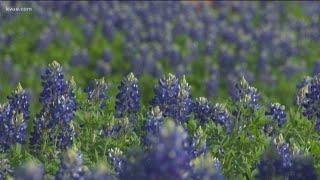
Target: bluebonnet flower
(112, 131)
(209, 47)
(290, 69)
(14, 117)
(167, 159)
(212, 82)
(308, 98)
(284, 152)
(280, 162)
(277, 114)
(107, 56)
(264, 72)
(103, 68)
(71, 166)
(58, 108)
(7, 65)
(80, 58)
(67, 36)
(13, 75)
(226, 62)
(108, 30)
(128, 98)
(171, 152)
(46, 38)
(220, 115)
(88, 30)
(207, 168)
(202, 109)
(197, 144)
(247, 95)
(173, 98)
(206, 112)
(155, 120)
(200, 26)
(303, 168)
(302, 88)
(30, 171)
(8, 39)
(277, 161)
(97, 92)
(242, 70)
(117, 159)
(316, 68)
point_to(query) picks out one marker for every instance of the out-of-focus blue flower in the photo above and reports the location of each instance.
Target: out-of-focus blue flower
(80, 58)
(71, 166)
(280, 162)
(316, 68)
(88, 31)
(108, 30)
(264, 71)
(247, 95)
(107, 56)
(171, 151)
(128, 98)
(46, 38)
(97, 92)
(302, 88)
(30, 171)
(212, 82)
(303, 168)
(13, 75)
(14, 117)
(7, 65)
(226, 62)
(103, 68)
(277, 160)
(167, 159)
(290, 69)
(66, 36)
(58, 108)
(173, 98)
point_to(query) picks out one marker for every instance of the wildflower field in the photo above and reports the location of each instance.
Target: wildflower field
(95, 90)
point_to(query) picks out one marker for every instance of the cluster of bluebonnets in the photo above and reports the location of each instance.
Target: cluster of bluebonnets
(226, 45)
(169, 150)
(161, 35)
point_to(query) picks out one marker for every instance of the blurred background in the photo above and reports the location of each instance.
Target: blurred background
(214, 43)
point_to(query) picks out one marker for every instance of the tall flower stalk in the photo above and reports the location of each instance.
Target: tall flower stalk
(58, 107)
(173, 97)
(246, 95)
(14, 117)
(97, 92)
(308, 99)
(128, 98)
